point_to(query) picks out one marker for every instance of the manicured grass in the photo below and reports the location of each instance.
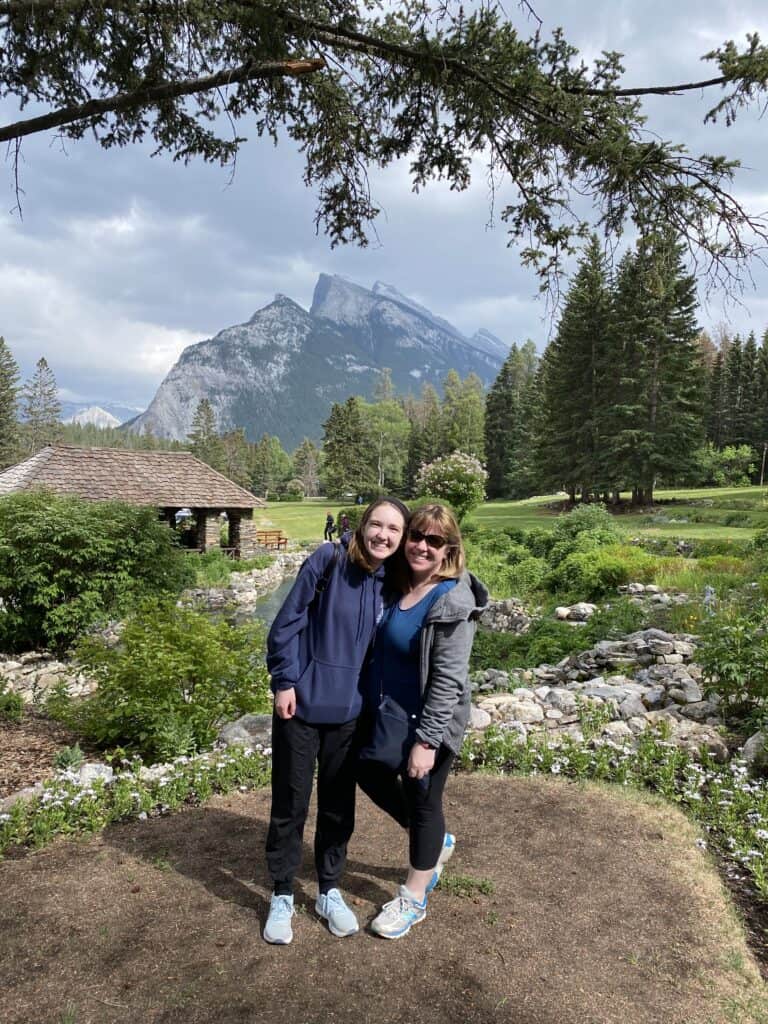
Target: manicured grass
(731, 513)
(299, 520)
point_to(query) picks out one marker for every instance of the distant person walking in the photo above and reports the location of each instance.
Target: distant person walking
(343, 523)
(330, 527)
(315, 653)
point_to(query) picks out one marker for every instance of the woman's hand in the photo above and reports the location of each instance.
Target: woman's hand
(421, 761)
(285, 703)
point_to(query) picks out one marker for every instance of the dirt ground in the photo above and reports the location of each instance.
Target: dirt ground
(603, 911)
(28, 750)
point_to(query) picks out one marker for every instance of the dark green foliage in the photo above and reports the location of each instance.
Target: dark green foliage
(549, 640)
(9, 389)
(66, 564)
(433, 89)
(346, 467)
(174, 677)
(41, 409)
(11, 704)
(270, 467)
(598, 571)
(508, 421)
(734, 656)
(576, 374)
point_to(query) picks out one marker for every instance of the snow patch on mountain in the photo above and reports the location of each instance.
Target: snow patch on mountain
(95, 415)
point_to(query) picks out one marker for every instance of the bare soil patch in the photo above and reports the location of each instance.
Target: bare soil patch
(28, 749)
(603, 911)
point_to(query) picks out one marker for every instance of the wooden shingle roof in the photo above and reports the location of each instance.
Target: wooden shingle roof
(163, 479)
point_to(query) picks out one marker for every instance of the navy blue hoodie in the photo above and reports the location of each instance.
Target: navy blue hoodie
(321, 651)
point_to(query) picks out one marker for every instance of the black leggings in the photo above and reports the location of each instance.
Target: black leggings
(416, 805)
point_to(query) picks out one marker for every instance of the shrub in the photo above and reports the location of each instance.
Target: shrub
(457, 478)
(65, 563)
(354, 513)
(175, 675)
(591, 574)
(213, 568)
(11, 705)
(586, 517)
(734, 657)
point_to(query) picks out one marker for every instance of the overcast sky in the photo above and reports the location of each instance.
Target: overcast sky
(120, 261)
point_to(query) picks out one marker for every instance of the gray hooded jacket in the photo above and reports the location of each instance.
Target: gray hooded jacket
(444, 648)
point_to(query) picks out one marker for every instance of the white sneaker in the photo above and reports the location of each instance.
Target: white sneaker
(278, 929)
(397, 917)
(341, 920)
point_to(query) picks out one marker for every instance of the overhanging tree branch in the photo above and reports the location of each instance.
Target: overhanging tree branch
(155, 94)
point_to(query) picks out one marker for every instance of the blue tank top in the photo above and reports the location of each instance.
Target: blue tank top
(394, 666)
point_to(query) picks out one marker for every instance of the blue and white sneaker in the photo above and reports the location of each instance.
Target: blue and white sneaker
(341, 920)
(449, 845)
(397, 917)
(278, 929)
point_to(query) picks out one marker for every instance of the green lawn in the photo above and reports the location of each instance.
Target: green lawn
(728, 513)
(299, 520)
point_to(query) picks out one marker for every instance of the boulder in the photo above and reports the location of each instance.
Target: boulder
(479, 720)
(248, 731)
(755, 750)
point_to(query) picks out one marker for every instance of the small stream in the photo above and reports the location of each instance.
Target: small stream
(267, 607)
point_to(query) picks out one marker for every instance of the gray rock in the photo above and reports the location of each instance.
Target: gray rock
(755, 750)
(478, 719)
(631, 707)
(92, 770)
(699, 711)
(561, 699)
(248, 731)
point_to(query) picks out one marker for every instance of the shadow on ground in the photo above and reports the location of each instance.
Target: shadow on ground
(602, 911)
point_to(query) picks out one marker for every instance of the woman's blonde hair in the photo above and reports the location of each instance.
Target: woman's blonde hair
(357, 551)
(439, 519)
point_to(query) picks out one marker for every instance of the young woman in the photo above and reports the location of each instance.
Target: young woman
(421, 659)
(315, 652)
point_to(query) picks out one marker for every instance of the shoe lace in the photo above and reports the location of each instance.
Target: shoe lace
(281, 907)
(334, 900)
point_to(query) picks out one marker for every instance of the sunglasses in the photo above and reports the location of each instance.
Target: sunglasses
(434, 540)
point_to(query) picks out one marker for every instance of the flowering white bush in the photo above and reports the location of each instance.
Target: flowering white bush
(457, 478)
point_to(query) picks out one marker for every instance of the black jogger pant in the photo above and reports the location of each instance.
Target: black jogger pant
(296, 747)
(416, 805)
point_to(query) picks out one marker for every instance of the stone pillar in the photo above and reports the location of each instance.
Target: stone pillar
(208, 532)
(247, 534)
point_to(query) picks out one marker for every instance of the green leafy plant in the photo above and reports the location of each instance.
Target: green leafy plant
(175, 675)
(465, 887)
(69, 757)
(734, 657)
(66, 563)
(11, 704)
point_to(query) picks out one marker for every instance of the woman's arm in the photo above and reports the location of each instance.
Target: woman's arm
(293, 617)
(448, 678)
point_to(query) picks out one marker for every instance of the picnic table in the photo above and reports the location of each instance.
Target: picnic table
(275, 539)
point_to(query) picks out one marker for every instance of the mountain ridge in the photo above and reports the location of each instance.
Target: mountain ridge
(281, 370)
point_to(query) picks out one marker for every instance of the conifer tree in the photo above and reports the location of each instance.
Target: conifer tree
(733, 383)
(575, 381)
(762, 391)
(9, 392)
(41, 409)
(346, 462)
(507, 411)
(671, 370)
(424, 439)
(750, 398)
(271, 466)
(205, 442)
(715, 415)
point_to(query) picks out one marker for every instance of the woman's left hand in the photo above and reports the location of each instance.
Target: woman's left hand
(421, 761)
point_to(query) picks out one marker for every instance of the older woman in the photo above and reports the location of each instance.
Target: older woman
(421, 661)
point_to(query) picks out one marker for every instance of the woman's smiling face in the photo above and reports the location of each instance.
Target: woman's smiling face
(423, 551)
(383, 532)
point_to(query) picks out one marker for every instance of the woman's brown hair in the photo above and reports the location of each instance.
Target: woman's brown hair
(357, 551)
(434, 519)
